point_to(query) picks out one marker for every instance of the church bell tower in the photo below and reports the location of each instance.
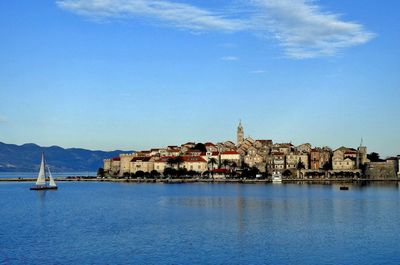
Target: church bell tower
(240, 134)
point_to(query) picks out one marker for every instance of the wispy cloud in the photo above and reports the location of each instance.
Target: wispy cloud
(304, 30)
(257, 72)
(176, 14)
(300, 27)
(229, 58)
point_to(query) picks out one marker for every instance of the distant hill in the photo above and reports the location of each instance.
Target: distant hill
(26, 158)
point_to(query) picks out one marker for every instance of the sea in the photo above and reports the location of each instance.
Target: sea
(54, 174)
(200, 223)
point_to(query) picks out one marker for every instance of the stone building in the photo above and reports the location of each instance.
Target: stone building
(263, 147)
(125, 163)
(231, 156)
(240, 134)
(107, 165)
(115, 165)
(253, 159)
(344, 159)
(361, 156)
(210, 147)
(318, 157)
(398, 165)
(284, 148)
(293, 159)
(145, 164)
(209, 155)
(382, 170)
(195, 163)
(161, 163)
(304, 148)
(279, 163)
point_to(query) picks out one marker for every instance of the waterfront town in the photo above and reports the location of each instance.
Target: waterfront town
(250, 158)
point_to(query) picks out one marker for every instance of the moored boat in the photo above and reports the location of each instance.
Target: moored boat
(41, 183)
(277, 177)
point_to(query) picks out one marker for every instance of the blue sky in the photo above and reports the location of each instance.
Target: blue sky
(135, 74)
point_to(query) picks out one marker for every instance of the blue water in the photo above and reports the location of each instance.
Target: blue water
(35, 174)
(122, 223)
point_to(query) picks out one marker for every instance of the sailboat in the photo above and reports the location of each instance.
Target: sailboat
(41, 183)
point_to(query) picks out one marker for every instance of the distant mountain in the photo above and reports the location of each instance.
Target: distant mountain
(26, 158)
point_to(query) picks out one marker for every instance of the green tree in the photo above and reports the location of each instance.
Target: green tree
(374, 157)
(254, 171)
(233, 168)
(327, 166)
(300, 165)
(154, 174)
(178, 161)
(169, 172)
(226, 163)
(192, 173)
(100, 172)
(140, 174)
(212, 161)
(287, 173)
(201, 147)
(181, 172)
(266, 173)
(171, 161)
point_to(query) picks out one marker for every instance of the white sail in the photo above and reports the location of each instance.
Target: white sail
(52, 182)
(41, 179)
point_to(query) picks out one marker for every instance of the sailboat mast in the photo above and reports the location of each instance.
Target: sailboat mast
(41, 180)
(44, 163)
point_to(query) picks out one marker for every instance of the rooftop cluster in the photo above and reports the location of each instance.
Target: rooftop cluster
(252, 158)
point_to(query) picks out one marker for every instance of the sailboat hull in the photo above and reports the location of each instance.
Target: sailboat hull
(41, 180)
(43, 188)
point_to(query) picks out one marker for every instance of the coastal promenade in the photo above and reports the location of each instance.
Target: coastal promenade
(202, 180)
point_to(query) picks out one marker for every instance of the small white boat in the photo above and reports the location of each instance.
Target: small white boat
(41, 183)
(277, 177)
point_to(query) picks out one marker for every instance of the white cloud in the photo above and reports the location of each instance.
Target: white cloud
(304, 30)
(229, 58)
(300, 27)
(257, 72)
(177, 14)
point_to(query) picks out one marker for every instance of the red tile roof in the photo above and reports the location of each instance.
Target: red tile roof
(116, 159)
(193, 159)
(163, 159)
(173, 151)
(190, 143)
(230, 153)
(144, 159)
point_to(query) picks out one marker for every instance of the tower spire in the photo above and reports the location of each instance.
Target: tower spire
(240, 133)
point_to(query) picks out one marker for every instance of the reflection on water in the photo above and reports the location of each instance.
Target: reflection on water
(35, 174)
(41, 194)
(119, 223)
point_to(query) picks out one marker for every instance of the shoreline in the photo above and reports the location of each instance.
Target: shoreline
(222, 181)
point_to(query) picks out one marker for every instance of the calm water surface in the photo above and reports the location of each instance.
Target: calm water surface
(115, 223)
(35, 174)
